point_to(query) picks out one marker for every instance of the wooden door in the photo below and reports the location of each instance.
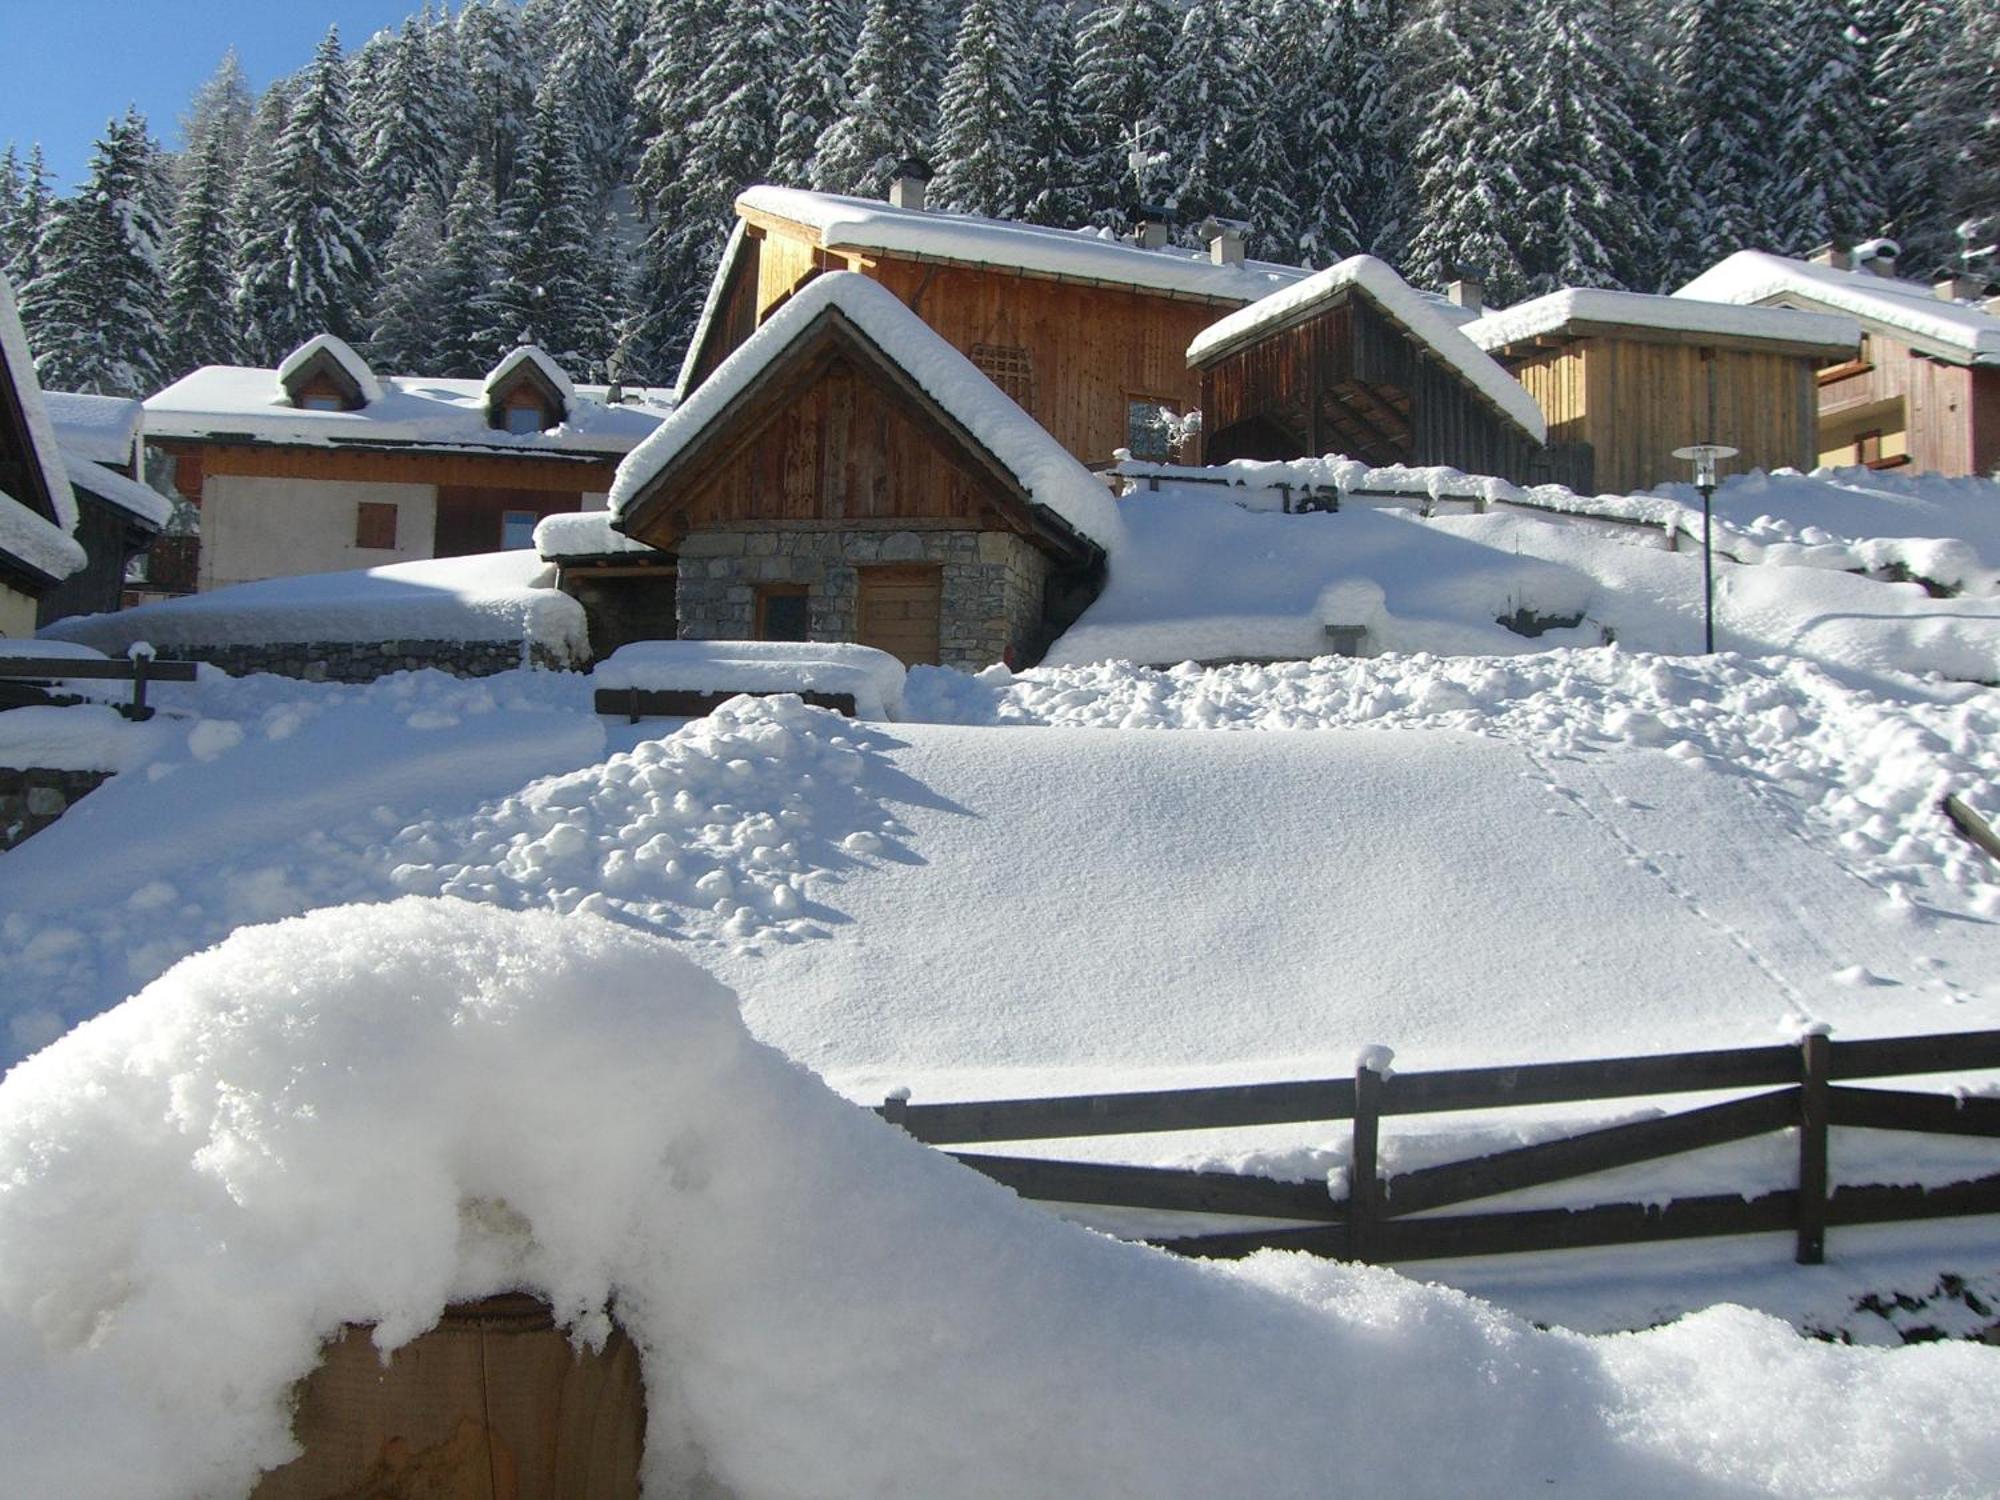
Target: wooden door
(897, 610)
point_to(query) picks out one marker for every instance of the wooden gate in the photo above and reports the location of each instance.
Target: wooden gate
(492, 1404)
(897, 610)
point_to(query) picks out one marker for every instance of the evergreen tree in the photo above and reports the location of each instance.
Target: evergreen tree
(892, 86)
(469, 340)
(405, 138)
(1364, 135)
(1122, 49)
(1726, 85)
(1057, 165)
(500, 86)
(1827, 156)
(546, 294)
(1975, 205)
(408, 327)
(200, 321)
(815, 90)
(93, 314)
(1219, 144)
(21, 234)
(983, 113)
(222, 107)
(587, 84)
(304, 268)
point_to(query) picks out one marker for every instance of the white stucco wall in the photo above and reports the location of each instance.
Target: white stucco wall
(17, 614)
(279, 528)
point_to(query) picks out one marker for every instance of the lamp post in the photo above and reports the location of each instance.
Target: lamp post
(1703, 456)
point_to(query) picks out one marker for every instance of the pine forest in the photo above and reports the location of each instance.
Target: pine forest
(561, 171)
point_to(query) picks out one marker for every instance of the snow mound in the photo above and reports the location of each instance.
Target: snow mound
(492, 596)
(365, 1114)
(874, 678)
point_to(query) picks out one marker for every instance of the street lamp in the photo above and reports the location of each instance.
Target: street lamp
(1703, 456)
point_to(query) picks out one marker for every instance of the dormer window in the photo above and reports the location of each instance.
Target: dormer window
(319, 402)
(325, 375)
(527, 392)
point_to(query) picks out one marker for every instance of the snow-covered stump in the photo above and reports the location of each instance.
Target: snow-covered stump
(494, 1400)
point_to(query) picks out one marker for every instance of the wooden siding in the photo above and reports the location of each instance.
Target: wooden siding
(784, 265)
(1348, 380)
(736, 315)
(1949, 414)
(1635, 401)
(831, 443)
(899, 609)
(470, 520)
(198, 460)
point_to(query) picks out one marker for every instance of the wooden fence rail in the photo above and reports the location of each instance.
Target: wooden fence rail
(1797, 1088)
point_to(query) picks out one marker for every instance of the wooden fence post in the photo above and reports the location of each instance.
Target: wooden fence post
(1364, 1185)
(1815, 1059)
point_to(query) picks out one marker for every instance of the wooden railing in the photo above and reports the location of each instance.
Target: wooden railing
(137, 670)
(1803, 1088)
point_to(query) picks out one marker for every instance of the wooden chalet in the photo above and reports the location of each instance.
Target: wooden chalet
(1634, 377)
(1922, 390)
(1352, 360)
(118, 519)
(1083, 332)
(845, 475)
(322, 465)
(38, 546)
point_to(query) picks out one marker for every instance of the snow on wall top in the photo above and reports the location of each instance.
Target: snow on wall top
(875, 678)
(490, 596)
(1572, 305)
(141, 500)
(242, 403)
(341, 353)
(1909, 307)
(583, 533)
(102, 429)
(528, 354)
(49, 547)
(1083, 254)
(1378, 282)
(1052, 478)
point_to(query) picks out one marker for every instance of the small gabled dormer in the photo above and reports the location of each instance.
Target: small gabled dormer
(528, 392)
(325, 374)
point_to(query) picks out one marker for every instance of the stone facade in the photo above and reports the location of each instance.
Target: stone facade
(993, 582)
(364, 661)
(31, 799)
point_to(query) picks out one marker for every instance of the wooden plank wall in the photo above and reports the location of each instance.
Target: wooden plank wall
(840, 449)
(1092, 348)
(374, 466)
(1950, 417)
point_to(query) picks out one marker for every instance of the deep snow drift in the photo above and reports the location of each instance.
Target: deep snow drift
(366, 1113)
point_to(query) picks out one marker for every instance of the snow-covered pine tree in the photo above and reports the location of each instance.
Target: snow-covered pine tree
(1578, 150)
(1463, 92)
(500, 86)
(1828, 158)
(201, 323)
(1976, 203)
(12, 185)
(814, 90)
(1122, 49)
(547, 294)
(93, 314)
(407, 328)
(469, 337)
(406, 140)
(1208, 108)
(21, 235)
(1056, 164)
(892, 88)
(225, 106)
(1724, 66)
(1309, 59)
(305, 267)
(983, 113)
(586, 82)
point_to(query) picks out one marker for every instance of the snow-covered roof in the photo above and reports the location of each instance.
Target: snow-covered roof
(710, 305)
(1565, 310)
(1958, 331)
(583, 533)
(141, 500)
(341, 353)
(244, 404)
(865, 224)
(102, 429)
(528, 354)
(1416, 311)
(874, 678)
(47, 546)
(1051, 477)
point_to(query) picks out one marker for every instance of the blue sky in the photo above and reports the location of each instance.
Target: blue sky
(74, 63)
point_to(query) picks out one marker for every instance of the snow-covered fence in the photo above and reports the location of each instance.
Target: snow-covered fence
(1802, 1088)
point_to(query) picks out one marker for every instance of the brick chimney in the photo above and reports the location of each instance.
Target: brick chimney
(1225, 239)
(1468, 289)
(1954, 285)
(908, 181)
(1877, 257)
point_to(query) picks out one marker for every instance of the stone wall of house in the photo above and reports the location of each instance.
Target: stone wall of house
(991, 587)
(364, 661)
(31, 798)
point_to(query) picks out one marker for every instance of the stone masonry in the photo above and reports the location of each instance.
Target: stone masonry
(364, 661)
(992, 582)
(32, 798)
